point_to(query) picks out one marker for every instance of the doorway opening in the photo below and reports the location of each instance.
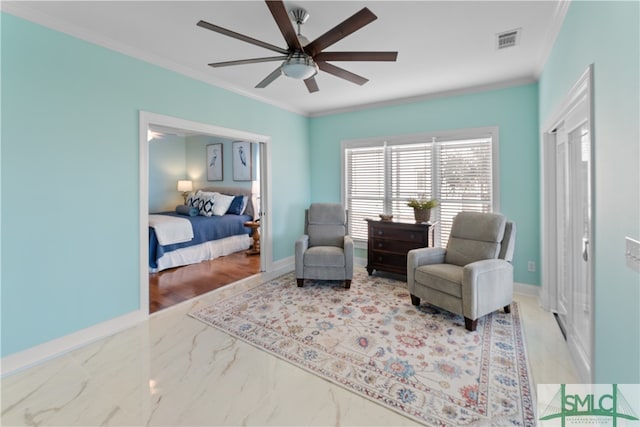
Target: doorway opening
(567, 221)
(191, 138)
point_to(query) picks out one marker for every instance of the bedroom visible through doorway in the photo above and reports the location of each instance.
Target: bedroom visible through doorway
(177, 150)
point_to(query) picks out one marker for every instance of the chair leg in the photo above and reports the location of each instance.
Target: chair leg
(470, 325)
(347, 284)
(507, 308)
(415, 300)
(300, 282)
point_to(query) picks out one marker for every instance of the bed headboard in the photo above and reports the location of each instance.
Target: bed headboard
(233, 191)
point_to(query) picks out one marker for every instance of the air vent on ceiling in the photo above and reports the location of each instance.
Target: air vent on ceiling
(507, 39)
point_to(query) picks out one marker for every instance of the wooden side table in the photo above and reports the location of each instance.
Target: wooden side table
(255, 226)
(389, 242)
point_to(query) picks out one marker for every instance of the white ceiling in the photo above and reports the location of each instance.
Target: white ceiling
(444, 46)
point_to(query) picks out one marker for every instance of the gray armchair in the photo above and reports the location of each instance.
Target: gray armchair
(325, 251)
(473, 276)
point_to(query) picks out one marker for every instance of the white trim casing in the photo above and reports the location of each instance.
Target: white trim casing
(548, 178)
(444, 135)
(51, 349)
(147, 118)
(580, 92)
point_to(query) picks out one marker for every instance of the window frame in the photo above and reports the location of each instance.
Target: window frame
(427, 137)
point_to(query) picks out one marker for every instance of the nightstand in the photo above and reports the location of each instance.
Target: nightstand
(255, 226)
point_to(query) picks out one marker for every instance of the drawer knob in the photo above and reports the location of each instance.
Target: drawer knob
(380, 244)
(379, 233)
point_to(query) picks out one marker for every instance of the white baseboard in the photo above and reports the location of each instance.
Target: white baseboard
(35, 355)
(282, 266)
(526, 289)
(41, 353)
(360, 261)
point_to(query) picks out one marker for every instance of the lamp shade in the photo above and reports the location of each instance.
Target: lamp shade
(185, 185)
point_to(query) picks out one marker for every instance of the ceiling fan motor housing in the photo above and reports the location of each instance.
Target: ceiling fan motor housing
(299, 15)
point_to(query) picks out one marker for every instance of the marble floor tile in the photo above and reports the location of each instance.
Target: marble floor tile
(172, 370)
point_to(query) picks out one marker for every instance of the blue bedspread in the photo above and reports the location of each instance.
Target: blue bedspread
(204, 229)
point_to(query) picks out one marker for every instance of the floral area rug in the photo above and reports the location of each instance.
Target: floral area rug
(419, 361)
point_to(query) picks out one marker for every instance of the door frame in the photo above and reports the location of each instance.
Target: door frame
(581, 91)
(145, 120)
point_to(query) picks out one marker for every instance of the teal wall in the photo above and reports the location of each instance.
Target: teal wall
(173, 157)
(514, 110)
(70, 181)
(607, 35)
(167, 164)
(70, 139)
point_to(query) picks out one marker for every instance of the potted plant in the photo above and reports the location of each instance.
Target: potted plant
(422, 208)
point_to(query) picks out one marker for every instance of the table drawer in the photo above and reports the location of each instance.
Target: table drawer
(389, 260)
(398, 246)
(418, 236)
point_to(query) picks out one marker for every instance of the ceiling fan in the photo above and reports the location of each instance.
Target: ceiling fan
(302, 59)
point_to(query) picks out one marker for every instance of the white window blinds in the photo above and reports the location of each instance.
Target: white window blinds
(465, 180)
(381, 177)
(366, 183)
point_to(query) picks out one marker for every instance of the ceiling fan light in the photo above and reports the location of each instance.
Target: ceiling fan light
(299, 67)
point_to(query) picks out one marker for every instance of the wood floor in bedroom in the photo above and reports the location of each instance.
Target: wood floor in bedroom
(175, 285)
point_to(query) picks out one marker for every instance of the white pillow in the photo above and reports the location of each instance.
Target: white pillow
(207, 193)
(221, 203)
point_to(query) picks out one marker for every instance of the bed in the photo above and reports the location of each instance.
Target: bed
(212, 236)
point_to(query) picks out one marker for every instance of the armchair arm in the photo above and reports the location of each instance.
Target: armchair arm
(487, 285)
(422, 256)
(348, 257)
(302, 244)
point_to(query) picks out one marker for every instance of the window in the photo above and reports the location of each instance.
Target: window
(458, 169)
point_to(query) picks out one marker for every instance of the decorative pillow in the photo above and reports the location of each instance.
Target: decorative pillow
(221, 204)
(238, 205)
(207, 193)
(194, 200)
(207, 204)
(187, 210)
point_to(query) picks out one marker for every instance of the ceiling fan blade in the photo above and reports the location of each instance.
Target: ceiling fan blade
(233, 34)
(270, 78)
(312, 85)
(340, 31)
(356, 56)
(281, 17)
(342, 73)
(247, 61)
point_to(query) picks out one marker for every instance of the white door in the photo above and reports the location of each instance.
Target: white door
(563, 248)
(573, 219)
(579, 181)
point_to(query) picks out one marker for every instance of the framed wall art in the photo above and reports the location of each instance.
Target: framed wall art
(215, 171)
(241, 161)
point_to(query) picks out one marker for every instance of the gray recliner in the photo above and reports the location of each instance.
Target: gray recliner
(325, 251)
(473, 276)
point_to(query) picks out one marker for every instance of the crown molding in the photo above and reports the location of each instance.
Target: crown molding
(22, 10)
(428, 96)
(551, 35)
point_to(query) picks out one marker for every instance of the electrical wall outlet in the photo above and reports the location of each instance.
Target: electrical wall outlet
(632, 253)
(531, 266)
